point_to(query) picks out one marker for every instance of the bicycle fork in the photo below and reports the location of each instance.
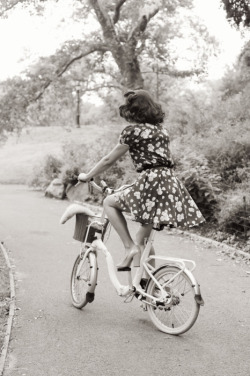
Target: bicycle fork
(122, 290)
(90, 253)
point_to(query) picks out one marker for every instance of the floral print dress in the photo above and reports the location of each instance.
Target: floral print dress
(157, 197)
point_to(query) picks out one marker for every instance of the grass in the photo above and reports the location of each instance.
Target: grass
(22, 153)
(4, 297)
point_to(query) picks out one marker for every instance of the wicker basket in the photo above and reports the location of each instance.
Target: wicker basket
(84, 227)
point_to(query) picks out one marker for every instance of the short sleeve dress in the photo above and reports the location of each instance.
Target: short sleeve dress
(157, 196)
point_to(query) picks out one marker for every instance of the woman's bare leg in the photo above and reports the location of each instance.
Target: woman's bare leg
(114, 213)
(141, 238)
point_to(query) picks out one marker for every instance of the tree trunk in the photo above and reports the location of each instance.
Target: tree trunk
(123, 54)
(132, 77)
(129, 67)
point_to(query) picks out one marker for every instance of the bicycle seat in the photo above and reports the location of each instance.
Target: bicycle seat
(74, 209)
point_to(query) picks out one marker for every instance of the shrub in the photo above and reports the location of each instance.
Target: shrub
(75, 156)
(231, 160)
(44, 173)
(234, 214)
(201, 183)
(201, 186)
(69, 175)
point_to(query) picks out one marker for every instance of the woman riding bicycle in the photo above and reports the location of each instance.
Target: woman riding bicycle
(157, 198)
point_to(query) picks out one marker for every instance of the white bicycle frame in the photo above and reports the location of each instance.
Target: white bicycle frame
(134, 283)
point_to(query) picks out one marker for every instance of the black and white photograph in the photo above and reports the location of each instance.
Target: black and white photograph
(124, 187)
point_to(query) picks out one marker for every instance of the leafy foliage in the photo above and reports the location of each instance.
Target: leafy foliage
(129, 38)
(209, 123)
(13, 105)
(74, 157)
(238, 11)
(234, 215)
(232, 163)
(201, 183)
(48, 170)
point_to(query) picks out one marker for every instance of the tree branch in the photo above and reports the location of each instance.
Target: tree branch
(101, 47)
(152, 14)
(9, 7)
(59, 72)
(103, 86)
(176, 73)
(183, 73)
(104, 19)
(142, 25)
(117, 10)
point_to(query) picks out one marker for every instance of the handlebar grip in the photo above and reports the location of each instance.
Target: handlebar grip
(104, 184)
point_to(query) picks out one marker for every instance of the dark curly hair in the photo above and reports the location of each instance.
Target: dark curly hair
(140, 108)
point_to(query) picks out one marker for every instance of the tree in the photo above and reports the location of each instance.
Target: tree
(123, 31)
(238, 11)
(129, 37)
(7, 5)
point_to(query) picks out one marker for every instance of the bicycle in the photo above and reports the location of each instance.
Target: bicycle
(170, 294)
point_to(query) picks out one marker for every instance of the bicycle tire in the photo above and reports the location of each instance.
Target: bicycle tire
(178, 316)
(83, 280)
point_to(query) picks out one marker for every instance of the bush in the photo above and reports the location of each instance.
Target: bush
(201, 183)
(44, 173)
(232, 163)
(75, 156)
(201, 186)
(79, 157)
(234, 214)
(227, 155)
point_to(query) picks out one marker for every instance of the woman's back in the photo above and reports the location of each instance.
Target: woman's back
(148, 145)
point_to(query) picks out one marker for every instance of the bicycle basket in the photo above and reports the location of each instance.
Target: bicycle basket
(87, 229)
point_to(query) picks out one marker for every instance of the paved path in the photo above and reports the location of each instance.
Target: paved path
(52, 338)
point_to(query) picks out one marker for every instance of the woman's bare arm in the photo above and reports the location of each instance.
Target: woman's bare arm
(105, 162)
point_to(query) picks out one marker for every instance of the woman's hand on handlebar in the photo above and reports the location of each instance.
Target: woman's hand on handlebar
(83, 177)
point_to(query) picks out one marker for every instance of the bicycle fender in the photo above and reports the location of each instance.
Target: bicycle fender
(90, 296)
(198, 298)
(94, 273)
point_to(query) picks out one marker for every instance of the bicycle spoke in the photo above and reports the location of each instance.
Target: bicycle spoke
(82, 281)
(180, 310)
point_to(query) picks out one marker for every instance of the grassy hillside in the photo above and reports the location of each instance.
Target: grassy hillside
(20, 154)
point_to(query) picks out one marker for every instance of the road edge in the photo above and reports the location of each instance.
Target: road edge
(5, 347)
(215, 243)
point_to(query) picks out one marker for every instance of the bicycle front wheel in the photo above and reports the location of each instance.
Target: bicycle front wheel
(179, 311)
(83, 280)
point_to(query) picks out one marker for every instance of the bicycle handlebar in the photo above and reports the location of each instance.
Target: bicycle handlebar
(104, 188)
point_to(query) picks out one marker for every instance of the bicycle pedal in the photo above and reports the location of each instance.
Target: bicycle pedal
(125, 269)
(129, 298)
(139, 296)
(144, 307)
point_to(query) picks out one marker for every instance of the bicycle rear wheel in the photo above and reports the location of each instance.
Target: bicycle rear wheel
(83, 280)
(179, 312)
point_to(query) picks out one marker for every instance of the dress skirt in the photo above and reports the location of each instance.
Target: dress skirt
(158, 197)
